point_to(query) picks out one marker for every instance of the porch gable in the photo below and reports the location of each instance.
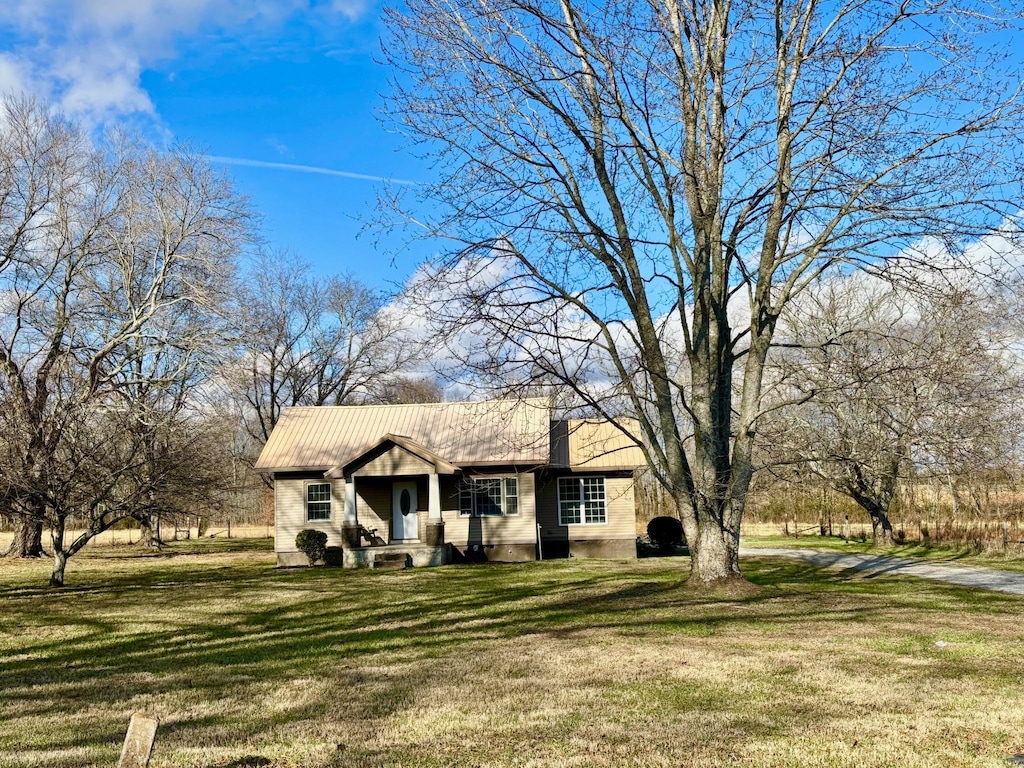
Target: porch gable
(391, 456)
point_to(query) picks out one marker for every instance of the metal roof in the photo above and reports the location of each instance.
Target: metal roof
(486, 432)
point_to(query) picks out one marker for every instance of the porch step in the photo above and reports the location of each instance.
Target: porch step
(390, 561)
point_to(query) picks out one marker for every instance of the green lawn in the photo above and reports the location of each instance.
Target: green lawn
(571, 663)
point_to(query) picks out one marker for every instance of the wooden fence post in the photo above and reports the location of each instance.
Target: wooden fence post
(138, 742)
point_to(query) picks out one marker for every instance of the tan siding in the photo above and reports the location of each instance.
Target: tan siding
(290, 512)
(373, 502)
(599, 444)
(620, 508)
(461, 531)
(396, 461)
(528, 499)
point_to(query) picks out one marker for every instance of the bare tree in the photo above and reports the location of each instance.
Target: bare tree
(634, 192)
(41, 162)
(105, 245)
(893, 389)
(159, 394)
(307, 340)
(410, 389)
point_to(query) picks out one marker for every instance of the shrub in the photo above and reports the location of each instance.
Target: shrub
(313, 544)
(666, 532)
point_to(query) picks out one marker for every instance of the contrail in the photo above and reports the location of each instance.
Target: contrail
(306, 169)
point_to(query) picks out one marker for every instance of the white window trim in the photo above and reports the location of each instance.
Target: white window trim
(504, 495)
(583, 515)
(330, 500)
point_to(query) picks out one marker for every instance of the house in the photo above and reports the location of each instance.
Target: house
(497, 480)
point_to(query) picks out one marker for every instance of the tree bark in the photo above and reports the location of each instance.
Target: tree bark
(60, 557)
(881, 530)
(28, 539)
(714, 559)
(714, 550)
(60, 561)
(665, 161)
(149, 528)
(881, 526)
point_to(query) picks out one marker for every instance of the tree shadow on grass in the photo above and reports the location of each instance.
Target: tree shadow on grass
(216, 633)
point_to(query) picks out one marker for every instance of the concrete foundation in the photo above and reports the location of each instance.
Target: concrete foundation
(495, 553)
(615, 549)
(291, 560)
(421, 555)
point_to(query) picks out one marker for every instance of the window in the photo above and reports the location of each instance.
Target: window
(489, 497)
(511, 496)
(581, 501)
(318, 502)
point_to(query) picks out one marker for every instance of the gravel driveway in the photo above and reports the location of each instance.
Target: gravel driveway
(882, 565)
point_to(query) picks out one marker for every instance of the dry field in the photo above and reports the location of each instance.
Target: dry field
(126, 536)
(540, 665)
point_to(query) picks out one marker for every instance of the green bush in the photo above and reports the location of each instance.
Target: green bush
(313, 544)
(666, 532)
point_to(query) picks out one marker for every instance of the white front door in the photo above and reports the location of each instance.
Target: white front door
(404, 522)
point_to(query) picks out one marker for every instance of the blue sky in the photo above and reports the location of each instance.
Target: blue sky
(265, 87)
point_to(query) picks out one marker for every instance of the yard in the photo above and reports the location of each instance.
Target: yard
(570, 663)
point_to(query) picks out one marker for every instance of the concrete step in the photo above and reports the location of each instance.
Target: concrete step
(390, 561)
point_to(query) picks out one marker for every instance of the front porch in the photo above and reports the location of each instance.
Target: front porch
(384, 556)
(393, 505)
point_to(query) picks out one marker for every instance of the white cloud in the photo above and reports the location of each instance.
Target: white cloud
(353, 9)
(88, 56)
(13, 75)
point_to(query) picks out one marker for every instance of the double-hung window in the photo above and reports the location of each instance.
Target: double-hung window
(489, 497)
(318, 502)
(581, 501)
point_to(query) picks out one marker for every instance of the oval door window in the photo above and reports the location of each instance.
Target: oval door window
(405, 502)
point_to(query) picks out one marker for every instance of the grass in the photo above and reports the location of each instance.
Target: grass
(570, 663)
(942, 553)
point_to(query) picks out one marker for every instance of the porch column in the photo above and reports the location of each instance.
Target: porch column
(350, 501)
(435, 522)
(350, 532)
(434, 497)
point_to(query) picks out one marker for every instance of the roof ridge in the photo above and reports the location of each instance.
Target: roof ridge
(419, 405)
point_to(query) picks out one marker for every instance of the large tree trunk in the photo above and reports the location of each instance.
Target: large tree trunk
(878, 510)
(28, 539)
(876, 499)
(714, 558)
(881, 529)
(60, 557)
(60, 561)
(714, 550)
(149, 526)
